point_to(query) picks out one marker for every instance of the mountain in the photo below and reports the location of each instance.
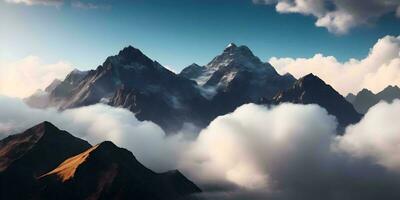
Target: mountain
(236, 77)
(365, 99)
(197, 95)
(54, 84)
(64, 88)
(389, 94)
(312, 90)
(41, 99)
(126, 80)
(47, 163)
(106, 171)
(193, 71)
(27, 155)
(238, 63)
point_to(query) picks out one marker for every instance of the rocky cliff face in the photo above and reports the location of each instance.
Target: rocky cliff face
(132, 80)
(236, 77)
(47, 163)
(198, 94)
(312, 90)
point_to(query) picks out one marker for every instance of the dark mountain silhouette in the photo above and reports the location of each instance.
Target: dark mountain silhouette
(312, 90)
(365, 99)
(108, 172)
(27, 155)
(47, 163)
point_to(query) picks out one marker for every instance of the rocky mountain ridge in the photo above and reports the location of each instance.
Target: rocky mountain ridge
(47, 163)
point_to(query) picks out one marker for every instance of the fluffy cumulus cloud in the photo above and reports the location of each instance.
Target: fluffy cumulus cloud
(376, 137)
(23, 77)
(291, 152)
(377, 70)
(338, 16)
(283, 152)
(241, 146)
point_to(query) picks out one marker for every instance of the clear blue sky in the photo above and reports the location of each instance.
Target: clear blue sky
(174, 32)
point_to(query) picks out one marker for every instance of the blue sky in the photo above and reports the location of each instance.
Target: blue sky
(175, 33)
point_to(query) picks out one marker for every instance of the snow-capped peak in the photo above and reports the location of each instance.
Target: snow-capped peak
(231, 45)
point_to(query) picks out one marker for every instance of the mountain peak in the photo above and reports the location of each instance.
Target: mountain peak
(131, 52)
(194, 65)
(310, 89)
(231, 46)
(310, 77)
(44, 128)
(391, 87)
(107, 145)
(310, 80)
(234, 49)
(47, 124)
(365, 92)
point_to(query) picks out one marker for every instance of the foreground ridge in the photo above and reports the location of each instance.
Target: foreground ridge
(103, 171)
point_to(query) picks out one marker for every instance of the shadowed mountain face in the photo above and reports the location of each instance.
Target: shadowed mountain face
(47, 163)
(365, 99)
(134, 81)
(27, 155)
(236, 77)
(233, 78)
(193, 71)
(108, 172)
(312, 90)
(129, 79)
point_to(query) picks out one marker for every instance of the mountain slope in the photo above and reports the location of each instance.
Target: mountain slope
(131, 70)
(47, 163)
(236, 77)
(108, 172)
(27, 155)
(365, 99)
(312, 90)
(132, 80)
(192, 71)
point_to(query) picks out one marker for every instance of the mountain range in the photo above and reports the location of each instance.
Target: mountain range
(47, 163)
(197, 95)
(365, 99)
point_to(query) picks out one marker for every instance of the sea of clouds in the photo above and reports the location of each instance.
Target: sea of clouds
(283, 152)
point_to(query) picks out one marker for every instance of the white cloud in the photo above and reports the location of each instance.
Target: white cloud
(283, 152)
(376, 136)
(240, 147)
(376, 71)
(98, 123)
(291, 152)
(23, 77)
(338, 16)
(37, 2)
